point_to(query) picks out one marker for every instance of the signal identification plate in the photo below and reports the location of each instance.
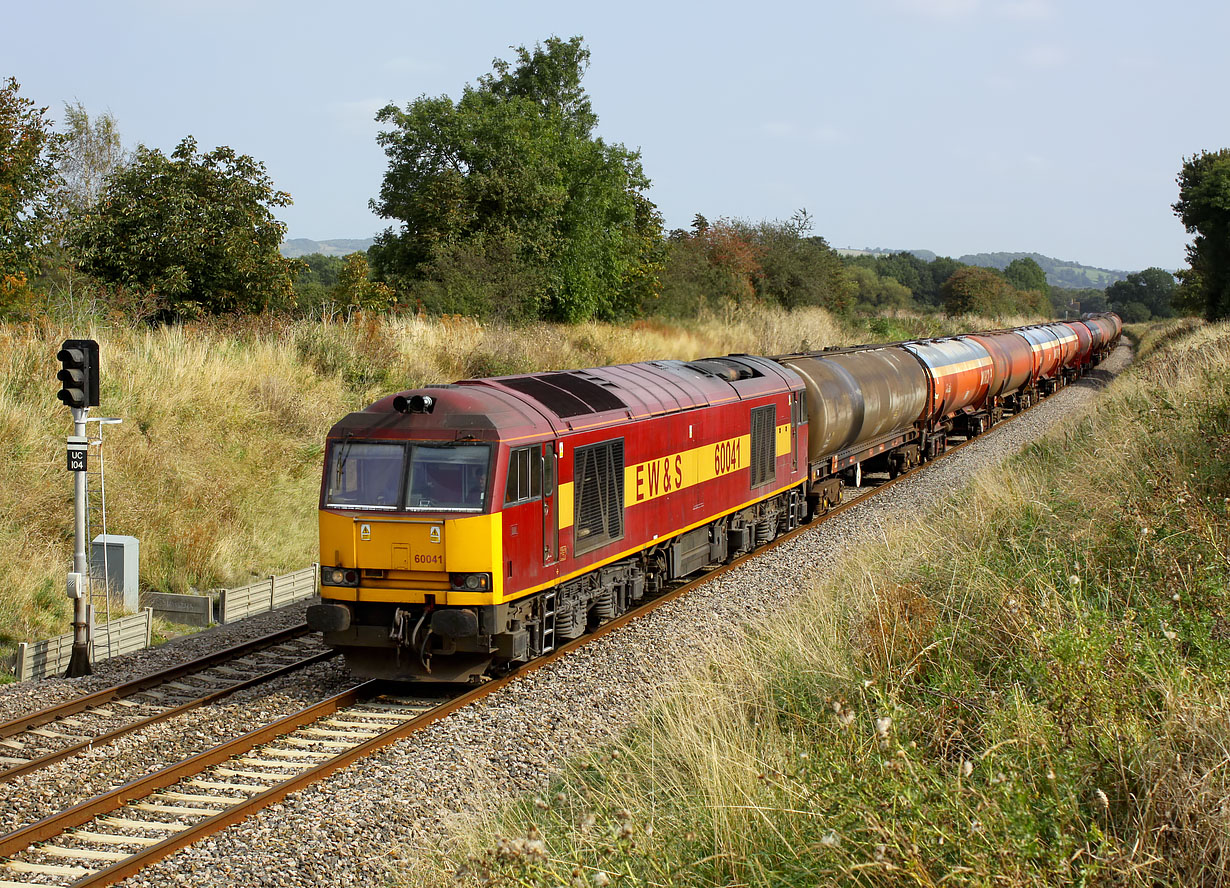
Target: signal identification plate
(77, 456)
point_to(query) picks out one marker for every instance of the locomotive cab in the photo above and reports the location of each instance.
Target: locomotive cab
(411, 522)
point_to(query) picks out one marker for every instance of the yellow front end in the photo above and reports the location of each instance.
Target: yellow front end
(407, 560)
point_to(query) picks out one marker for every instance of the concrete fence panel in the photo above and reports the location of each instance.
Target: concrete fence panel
(267, 595)
(49, 658)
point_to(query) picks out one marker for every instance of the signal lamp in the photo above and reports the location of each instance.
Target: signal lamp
(79, 373)
(339, 576)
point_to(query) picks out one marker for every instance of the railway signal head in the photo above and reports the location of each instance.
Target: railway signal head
(79, 373)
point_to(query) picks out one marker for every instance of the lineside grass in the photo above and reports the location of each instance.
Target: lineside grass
(1028, 687)
(216, 466)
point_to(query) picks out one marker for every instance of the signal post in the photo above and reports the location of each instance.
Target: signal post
(79, 390)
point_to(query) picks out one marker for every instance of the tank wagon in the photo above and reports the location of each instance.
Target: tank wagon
(467, 528)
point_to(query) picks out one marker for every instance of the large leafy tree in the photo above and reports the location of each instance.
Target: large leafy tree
(800, 269)
(28, 152)
(1149, 292)
(1204, 209)
(1026, 274)
(512, 175)
(195, 229)
(973, 290)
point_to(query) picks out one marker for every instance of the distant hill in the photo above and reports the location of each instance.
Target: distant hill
(924, 255)
(302, 246)
(1059, 272)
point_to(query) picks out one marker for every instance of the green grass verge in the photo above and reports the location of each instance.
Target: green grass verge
(1027, 689)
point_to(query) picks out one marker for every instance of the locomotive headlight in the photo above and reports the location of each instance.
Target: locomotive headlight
(339, 576)
(478, 582)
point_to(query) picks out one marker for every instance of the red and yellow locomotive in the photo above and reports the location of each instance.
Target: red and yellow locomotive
(482, 523)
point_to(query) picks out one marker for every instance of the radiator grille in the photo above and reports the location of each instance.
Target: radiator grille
(764, 444)
(599, 495)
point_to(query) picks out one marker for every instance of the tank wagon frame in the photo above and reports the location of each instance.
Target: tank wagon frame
(469, 527)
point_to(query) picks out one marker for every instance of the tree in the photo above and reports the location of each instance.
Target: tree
(923, 279)
(875, 293)
(356, 290)
(1204, 209)
(195, 229)
(1133, 312)
(28, 152)
(513, 167)
(714, 266)
(1069, 303)
(92, 153)
(1151, 291)
(974, 290)
(942, 268)
(1026, 274)
(797, 268)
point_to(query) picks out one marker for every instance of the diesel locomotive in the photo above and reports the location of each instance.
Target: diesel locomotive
(467, 528)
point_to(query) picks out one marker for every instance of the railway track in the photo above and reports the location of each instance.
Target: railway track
(35, 740)
(114, 835)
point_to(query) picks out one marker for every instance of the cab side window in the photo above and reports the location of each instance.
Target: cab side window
(524, 476)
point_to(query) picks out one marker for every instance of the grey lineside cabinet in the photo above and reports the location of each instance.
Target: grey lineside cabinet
(116, 558)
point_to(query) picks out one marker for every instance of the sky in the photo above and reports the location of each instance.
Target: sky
(957, 126)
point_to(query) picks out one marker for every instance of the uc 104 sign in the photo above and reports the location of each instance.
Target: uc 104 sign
(78, 448)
